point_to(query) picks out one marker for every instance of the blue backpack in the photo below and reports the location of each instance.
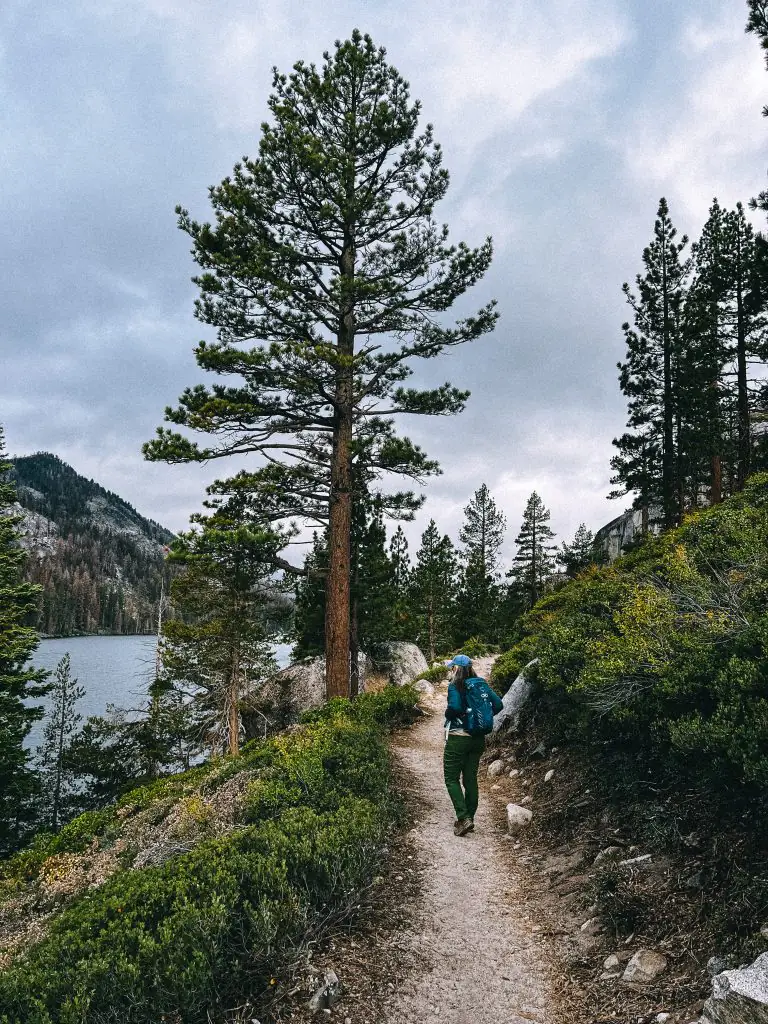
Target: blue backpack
(479, 715)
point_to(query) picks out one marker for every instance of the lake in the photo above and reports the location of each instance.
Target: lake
(113, 670)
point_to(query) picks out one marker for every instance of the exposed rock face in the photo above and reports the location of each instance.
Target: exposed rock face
(515, 699)
(300, 687)
(400, 662)
(283, 697)
(740, 996)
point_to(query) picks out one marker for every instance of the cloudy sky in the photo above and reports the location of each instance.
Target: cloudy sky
(562, 125)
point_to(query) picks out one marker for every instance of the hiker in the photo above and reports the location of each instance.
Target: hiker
(468, 718)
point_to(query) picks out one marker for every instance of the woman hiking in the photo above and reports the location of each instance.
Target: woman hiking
(468, 717)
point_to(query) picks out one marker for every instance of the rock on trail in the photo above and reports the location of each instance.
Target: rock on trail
(480, 959)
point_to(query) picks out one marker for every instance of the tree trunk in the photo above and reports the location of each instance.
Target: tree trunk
(745, 445)
(337, 618)
(354, 650)
(716, 490)
(431, 631)
(669, 498)
(233, 700)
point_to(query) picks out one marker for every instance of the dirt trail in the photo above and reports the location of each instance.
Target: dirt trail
(482, 962)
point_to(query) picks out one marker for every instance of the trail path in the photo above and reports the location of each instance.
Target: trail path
(482, 962)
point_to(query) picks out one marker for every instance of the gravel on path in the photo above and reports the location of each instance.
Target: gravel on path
(481, 962)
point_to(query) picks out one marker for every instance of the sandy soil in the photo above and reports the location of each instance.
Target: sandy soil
(480, 958)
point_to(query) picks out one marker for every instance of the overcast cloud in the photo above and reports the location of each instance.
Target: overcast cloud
(562, 125)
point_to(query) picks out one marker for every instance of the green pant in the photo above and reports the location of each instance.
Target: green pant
(461, 760)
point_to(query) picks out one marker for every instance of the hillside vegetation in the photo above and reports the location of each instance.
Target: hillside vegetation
(194, 894)
(100, 564)
(666, 650)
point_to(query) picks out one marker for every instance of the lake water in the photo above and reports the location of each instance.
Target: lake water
(113, 670)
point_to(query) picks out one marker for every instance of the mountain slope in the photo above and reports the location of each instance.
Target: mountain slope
(100, 563)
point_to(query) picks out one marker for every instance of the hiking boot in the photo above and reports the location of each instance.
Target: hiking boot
(471, 825)
(462, 826)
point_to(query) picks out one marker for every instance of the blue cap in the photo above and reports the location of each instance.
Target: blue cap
(462, 660)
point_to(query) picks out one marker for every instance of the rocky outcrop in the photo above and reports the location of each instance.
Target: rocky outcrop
(399, 662)
(739, 996)
(515, 699)
(280, 701)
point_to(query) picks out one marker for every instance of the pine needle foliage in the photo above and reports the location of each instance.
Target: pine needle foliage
(325, 253)
(18, 681)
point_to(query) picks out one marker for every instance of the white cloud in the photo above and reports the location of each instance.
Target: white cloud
(698, 134)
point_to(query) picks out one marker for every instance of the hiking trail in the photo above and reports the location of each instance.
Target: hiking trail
(481, 961)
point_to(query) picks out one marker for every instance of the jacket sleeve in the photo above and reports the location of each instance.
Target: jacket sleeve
(455, 708)
(496, 701)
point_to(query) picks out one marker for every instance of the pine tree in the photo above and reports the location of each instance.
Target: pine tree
(534, 562)
(432, 592)
(309, 616)
(580, 553)
(326, 252)
(757, 22)
(57, 778)
(228, 593)
(18, 682)
(481, 535)
(648, 460)
(401, 578)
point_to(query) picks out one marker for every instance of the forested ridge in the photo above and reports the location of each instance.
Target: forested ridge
(99, 563)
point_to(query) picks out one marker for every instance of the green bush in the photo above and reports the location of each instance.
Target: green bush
(475, 647)
(435, 674)
(212, 927)
(668, 647)
(391, 707)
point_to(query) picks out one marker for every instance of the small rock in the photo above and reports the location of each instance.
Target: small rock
(662, 1018)
(695, 882)
(517, 817)
(716, 965)
(612, 963)
(645, 860)
(327, 994)
(540, 751)
(495, 768)
(764, 931)
(514, 773)
(609, 853)
(591, 926)
(550, 775)
(527, 800)
(645, 966)
(495, 786)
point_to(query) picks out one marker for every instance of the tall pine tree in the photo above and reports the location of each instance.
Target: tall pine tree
(648, 462)
(18, 681)
(482, 535)
(432, 592)
(579, 554)
(534, 562)
(58, 779)
(222, 648)
(325, 251)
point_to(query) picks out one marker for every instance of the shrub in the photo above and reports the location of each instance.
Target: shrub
(435, 674)
(475, 647)
(213, 926)
(668, 647)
